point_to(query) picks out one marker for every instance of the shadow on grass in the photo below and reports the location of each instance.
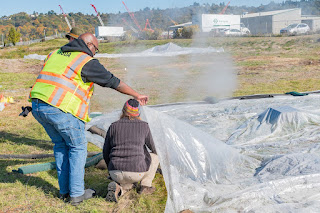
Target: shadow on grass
(94, 178)
(21, 140)
(30, 179)
(97, 180)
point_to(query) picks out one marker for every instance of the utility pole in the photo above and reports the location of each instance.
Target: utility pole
(2, 41)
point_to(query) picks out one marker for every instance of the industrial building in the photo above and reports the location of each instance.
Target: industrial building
(272, 22)
(312, 21)
(208, 22)
(212, 22)
(107, 32)
(178, 26)
(174, 28)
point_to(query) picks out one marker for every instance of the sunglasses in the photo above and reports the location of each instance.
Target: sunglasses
(96, 48)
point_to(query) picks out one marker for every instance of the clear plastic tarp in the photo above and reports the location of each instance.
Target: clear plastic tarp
(169, 49)
(35, 56)
(255, 155)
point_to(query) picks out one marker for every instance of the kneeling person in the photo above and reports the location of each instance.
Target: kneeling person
(126, 154)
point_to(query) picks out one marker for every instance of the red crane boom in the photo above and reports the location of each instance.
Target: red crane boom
(146, 26)
(132, 16)
(132, 28)
(65, 17)
(95, 9)
(225, 8)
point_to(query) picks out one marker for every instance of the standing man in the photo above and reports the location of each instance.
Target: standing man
(60, 101)
(73, 34)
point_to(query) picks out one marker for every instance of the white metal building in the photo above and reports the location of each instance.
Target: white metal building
(312, 21)
(208, 22)
(174, 27)
(271, 22)
(105, 31)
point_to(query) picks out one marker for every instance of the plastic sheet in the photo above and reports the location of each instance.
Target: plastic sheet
(2, 106)
(257, 155)
(35, 56)
(169, 49)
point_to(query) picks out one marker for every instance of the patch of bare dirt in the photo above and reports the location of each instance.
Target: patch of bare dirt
(21, 65)
(310, 62)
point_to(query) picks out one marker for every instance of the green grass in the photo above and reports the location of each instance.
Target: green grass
(24, 79)
(263, 65)
(255, 63)
(42, 48)
(281, 87)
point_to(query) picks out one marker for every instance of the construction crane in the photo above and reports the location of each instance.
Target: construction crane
(132, 16)
(65, 17)
(132, 28)
(146, 26)
(224, 9)
(95, 9)
(175, 23)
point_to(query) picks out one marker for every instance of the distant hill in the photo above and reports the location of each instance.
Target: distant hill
(34, 26)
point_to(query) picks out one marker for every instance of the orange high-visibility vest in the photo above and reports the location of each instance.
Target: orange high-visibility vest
(60, 84)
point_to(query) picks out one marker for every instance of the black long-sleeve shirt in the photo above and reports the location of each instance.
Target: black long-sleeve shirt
(92, 71)
(125, 146)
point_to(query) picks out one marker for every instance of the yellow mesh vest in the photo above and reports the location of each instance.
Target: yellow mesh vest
(60, 84)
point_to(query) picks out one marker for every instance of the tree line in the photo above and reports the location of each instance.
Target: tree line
(35, 26)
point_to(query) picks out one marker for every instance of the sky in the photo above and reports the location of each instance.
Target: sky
(107, 6)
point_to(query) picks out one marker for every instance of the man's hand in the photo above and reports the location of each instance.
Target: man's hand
(143, 99)
(125, 89)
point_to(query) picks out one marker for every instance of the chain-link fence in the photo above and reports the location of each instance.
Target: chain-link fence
(47, 38)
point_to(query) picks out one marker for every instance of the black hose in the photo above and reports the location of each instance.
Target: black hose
(213, 100)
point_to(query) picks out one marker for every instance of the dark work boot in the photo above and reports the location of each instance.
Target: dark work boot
(114, 192)
(88, 193)
(65, 197)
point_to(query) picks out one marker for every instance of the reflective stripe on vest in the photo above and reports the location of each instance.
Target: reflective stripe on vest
(82, 110)
(62, 85)
(63, 82)
(73, 68)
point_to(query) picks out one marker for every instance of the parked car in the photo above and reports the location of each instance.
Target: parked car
(232, 32)
(296, 29)
(244, 29)
(217, 32)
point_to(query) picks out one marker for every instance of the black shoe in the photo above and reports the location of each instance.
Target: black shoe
(114, 191)
(65, 197)
(88, 193)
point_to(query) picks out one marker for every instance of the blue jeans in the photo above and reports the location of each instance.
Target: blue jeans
(70, 145)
